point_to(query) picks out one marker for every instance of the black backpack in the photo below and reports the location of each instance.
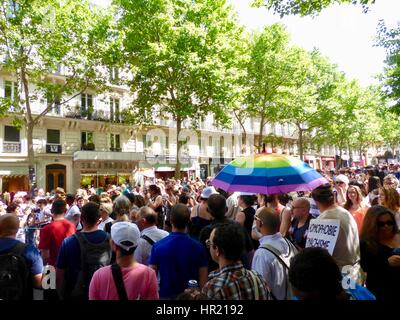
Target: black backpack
(14, 274)
(93, 257)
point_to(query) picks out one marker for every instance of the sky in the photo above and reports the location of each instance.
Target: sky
(341, 32)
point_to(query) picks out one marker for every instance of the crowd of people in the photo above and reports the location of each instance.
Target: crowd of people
(183, 239)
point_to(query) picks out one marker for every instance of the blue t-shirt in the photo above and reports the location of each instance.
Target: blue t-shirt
(31, 254)
(178, 259)
(69, 256)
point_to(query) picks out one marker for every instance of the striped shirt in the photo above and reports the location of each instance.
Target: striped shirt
(234, 282)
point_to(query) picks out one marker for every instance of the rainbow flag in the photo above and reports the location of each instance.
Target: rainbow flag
(268, 174)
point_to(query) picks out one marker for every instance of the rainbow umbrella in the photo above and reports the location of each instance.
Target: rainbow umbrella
(268, 174)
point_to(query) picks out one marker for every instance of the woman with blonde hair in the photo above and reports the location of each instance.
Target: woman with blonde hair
(390, 198)
(355, 205)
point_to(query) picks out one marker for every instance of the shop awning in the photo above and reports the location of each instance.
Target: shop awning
(108, 156)
(14, 171)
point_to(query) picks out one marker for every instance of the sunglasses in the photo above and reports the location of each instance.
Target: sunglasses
(209, 244)
(388, 223)
(339, 182)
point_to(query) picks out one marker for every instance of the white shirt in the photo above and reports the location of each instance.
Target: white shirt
(232, 205)
(397, 217)
(347, 248)
(103, 223)
(270, 268)
(143, 250)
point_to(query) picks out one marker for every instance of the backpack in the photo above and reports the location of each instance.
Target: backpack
(284, 260)
(93, 257)
(14, 274)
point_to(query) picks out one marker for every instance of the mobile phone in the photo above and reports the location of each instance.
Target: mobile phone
(396, 251)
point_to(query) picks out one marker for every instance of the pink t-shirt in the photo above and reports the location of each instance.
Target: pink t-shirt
(140, 283)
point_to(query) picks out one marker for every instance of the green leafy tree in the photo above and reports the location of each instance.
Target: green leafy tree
(306, 7)
(389, 38)
(269, 72)
(183, 55)
(311, 93)
(37, 38)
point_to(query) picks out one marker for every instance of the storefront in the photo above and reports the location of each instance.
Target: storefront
(100, 169)
(13, 179)
(328, 163)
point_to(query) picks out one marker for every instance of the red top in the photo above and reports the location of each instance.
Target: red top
(52, 235)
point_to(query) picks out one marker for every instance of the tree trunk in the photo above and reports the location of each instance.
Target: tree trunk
(301, 151)
(178, 147)
(260, 139)
(29, 132)
(340, 158)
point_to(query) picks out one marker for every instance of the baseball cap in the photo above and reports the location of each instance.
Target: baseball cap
(125, 234)
(207, 192)
(342, 178)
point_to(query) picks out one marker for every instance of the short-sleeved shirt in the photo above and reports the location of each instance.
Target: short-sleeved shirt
(140, 283)
(52, 236)
(31, 254)
(69, 256)
(178, 259)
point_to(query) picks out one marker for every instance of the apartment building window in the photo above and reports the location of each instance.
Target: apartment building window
(10, 90)
(11, 134)
(53, 103)
(87, 140)
(144, 139)
(115, 142)
(114, 110)
(53, 141)
(114, 74)
(87, 105)
(53, 136)
(11, 143)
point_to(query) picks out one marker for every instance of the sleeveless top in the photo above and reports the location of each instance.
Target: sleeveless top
(197, 223)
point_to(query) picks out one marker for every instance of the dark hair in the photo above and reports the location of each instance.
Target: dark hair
(184, 198)
(154, 188)
(126, 253)
(41, 201)
(58, 207)
(284, 198)
(248, 200)
(139, 201)
(370, 230)
(374, 183)
(94, 198)
(131, 197)
(314, 270)
(229, 238)
(90, 213)
(323, 194)
(180, 216)
(216, 205)
(12, 207)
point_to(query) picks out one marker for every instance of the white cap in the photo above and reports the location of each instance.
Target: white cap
(342, 178)
(125, 234)
(207, 192)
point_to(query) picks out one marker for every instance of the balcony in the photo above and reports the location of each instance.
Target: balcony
(53, 148)
(88, 146)
(11, 147)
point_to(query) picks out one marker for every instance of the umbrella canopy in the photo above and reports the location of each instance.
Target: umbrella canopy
(268, 174)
